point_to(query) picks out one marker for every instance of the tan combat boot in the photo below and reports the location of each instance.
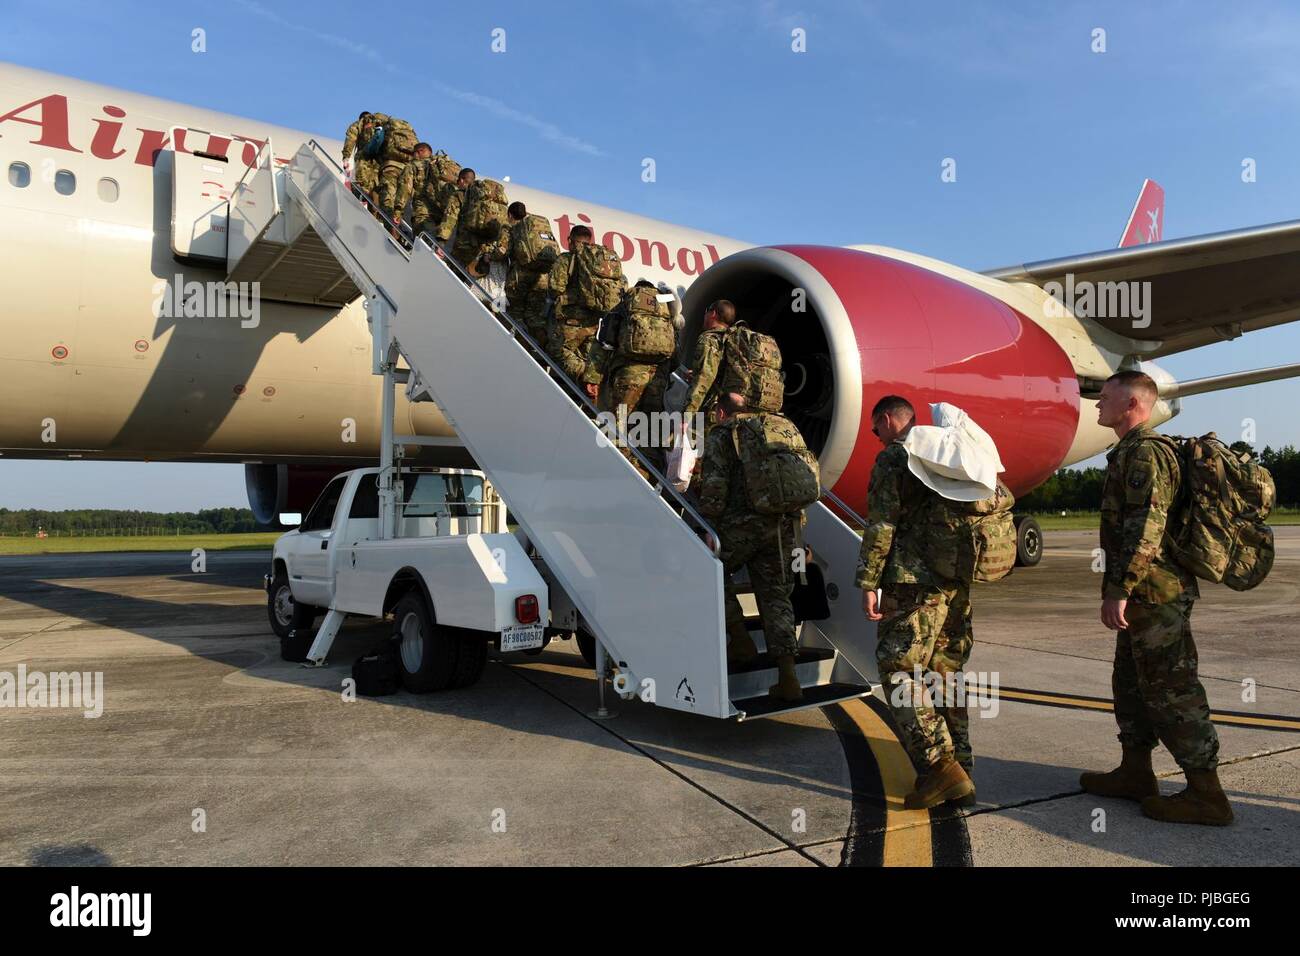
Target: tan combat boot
(787, 683)
(1133, 779)
(943, 782)
(1202, 802)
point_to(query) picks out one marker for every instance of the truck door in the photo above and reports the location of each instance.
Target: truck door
(309, 557)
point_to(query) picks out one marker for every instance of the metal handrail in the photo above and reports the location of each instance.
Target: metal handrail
(860, 521)
(662, 486)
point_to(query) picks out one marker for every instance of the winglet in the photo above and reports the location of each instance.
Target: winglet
(1147, 221)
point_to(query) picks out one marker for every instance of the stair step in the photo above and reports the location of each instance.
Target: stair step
(754, 707)
(764, 661)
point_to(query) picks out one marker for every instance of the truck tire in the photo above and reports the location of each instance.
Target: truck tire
(473, 658)
(284, 612)
(1029, 542)
(427, 654)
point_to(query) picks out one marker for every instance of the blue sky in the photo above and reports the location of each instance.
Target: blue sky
(840, 145)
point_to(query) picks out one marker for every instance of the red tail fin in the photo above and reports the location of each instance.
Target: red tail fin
(1147, 221)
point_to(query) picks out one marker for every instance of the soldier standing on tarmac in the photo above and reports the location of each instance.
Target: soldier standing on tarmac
(1147, 598)
(913, 606)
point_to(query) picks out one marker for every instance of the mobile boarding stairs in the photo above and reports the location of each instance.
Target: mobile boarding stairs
(635, 558)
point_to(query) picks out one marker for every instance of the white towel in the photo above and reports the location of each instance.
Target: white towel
(954, 457)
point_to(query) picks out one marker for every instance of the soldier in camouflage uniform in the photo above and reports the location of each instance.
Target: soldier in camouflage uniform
(365, 172)
(455, 198)
(391, 166)
(1147, 599)
(413, 187)
(924, 618)
(526, 290)
(761, 543)
(571, 325)
(707, 360)
(616, 382)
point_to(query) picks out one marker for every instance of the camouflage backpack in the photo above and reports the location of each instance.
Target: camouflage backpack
(1216, 529)
(647, 333)
(597, 278)
(532, 244)
(442, 169)
(751, 366)
(399, 140)
(971, 540)
(483, 217)
(781, 474)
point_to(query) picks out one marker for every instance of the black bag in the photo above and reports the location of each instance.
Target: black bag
(376, 675)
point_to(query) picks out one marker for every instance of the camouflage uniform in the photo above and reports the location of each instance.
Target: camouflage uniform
(572, 326)
(465, 249)
(634, 386)
(526, 292)
(926, 626)
(365, 172)
(1158, 697)
(419, 178)
(705, 364)
(454, 199)
(390, 174)
(762, 543)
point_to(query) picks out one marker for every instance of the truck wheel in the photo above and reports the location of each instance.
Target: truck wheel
(473, 658)
(428, 654)
(586, 645)
(1029, 542)
(285, 613)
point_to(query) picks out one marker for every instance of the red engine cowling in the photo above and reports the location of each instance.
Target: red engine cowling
(274, 490)
(855, 326)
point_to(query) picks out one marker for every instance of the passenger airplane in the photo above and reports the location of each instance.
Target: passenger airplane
(93, 228)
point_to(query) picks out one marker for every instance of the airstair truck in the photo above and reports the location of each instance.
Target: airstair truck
(629, 566)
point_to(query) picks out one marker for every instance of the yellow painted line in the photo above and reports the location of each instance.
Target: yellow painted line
(1085, 703)
(907, 832)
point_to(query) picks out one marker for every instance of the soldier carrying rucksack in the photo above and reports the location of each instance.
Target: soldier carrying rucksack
(532, 252)
(482, 235)
(629, 357)
(365, 167)
(422, 183)
(756, 479)
(915, 578)
(393, 143)
(1169, 513)
(586, 283)
(452, 200)
(732, 357)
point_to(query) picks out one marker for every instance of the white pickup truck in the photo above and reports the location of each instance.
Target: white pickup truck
(453, 577)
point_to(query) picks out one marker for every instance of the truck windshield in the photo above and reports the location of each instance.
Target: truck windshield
(435, 495)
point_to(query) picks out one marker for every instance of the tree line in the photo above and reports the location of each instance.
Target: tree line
(1079, 489)
(100, 521)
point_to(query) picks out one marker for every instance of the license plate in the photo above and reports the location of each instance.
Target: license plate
(523, 638)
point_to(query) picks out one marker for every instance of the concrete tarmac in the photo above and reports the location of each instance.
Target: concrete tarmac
(211, 750)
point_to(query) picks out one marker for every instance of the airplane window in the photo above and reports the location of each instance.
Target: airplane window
(108, 190)
(65, 183)
(20, 174)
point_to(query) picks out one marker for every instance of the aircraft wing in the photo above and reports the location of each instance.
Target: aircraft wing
(1204, 289)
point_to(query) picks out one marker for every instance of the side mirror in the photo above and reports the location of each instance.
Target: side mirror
(291, 518)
